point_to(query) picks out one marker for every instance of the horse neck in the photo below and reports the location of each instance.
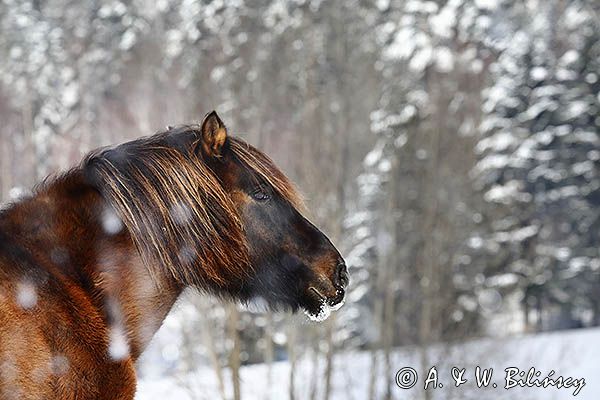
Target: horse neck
(70, 232)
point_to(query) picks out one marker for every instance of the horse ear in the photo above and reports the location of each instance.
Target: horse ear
(214, 135)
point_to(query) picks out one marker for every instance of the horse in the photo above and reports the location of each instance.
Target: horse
(93, 261)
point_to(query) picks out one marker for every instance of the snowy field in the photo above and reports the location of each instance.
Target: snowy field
(573, 354)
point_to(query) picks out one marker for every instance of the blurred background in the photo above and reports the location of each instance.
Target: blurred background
(450, 148)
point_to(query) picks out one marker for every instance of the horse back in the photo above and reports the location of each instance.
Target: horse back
(53, 336)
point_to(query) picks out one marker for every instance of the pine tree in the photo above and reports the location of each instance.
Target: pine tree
(539, 163)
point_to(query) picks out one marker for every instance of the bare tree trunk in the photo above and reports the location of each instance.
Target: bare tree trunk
(388, 337)
(210, 345)
(314, 382)
(539, 308)
(185, 378)
(429, 251)
(526, 316)
(378, 314)
(292, 357)
(269, 353)
(330, 326)
(390, 264)
(374, 372)
(234, 357)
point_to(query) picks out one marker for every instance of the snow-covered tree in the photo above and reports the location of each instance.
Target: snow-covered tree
(539, 162)
(59, 59)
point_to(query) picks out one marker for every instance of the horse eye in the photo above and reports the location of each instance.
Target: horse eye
(260, 195)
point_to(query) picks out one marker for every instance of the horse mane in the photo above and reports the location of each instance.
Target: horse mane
(175, 208)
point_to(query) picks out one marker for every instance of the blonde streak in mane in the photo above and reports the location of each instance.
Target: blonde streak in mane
(191, 179)
(152, 223)
(115, 173)
(204, 228)
(112, 178)
(172, 197)
(131, 219)
(190, 230)
(191, 189)
(217, 192)
(201, 212)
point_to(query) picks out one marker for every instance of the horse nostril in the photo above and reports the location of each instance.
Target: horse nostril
(341, 275)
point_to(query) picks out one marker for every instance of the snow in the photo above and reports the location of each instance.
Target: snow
(539, 73)
(381, 123)
(443, 23)
(114, 9)
(583, 167)
(70, 95)
(503, 280)
(382, 5)
(26, 295)
(504, 194)
(467, 302)
(499, 141)
(357, 293)
(563, 74)
(127, 40)
(421, 59)
(575, 17)
(425, 7)
(324, 312)
(385, 165)
(492, 161)
(217, 74)
(17, 193)
(111, 223)
(118, 348)
(591, 78)
(576, 108)
(487, 4)
(374, 155)
(587, 137)
(517, 235)
(402, 46)
(444, 59)
(59, 364)
(180, 213)
(568, 353)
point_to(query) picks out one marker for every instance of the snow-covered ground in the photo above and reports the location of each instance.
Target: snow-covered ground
(573, 354)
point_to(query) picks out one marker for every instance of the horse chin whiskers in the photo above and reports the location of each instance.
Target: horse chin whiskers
(316, 291)
(333, 301)
(323, 313)
(325, 306)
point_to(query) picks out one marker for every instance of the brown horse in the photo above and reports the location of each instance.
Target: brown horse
(91, 264)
